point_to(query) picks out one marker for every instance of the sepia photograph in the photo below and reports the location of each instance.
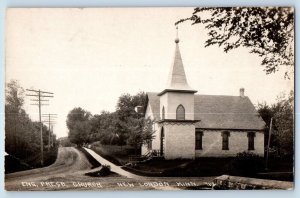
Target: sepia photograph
(149, 98)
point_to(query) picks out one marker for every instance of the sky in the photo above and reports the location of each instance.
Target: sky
(89, 57)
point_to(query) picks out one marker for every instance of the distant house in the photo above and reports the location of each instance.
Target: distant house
(188, 125)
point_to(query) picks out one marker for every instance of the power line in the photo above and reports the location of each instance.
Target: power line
(51, 122)
(39, 91)
(39, 95)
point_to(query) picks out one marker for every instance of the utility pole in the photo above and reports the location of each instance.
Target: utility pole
(50, 122)
(52, 136)
(269, 140)
(38, 94)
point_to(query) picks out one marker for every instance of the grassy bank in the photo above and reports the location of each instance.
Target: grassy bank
(91, 159)
(113, 153)
(13, 164)
(279, 169)
(206, 167)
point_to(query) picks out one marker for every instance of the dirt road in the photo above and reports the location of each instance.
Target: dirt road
(67, 173)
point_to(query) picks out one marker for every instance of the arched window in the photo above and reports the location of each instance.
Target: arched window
(180, 113)
(163, 113)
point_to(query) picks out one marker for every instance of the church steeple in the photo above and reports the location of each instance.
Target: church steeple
(177, 79)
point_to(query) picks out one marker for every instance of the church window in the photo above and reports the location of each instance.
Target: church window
(199, 135)
(251, 136)
(163, 113)
(180, 113)
(225, 140)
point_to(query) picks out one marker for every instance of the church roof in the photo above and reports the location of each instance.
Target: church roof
(177, 79)
(218, 112)
(154, 102)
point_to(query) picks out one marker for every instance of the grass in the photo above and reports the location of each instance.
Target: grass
(279, 169)
(156, 167)
(113, 153)
(201, 167)
(206, 167)
(92, 160)
(13, 164)
(160, 167)
(281, 165)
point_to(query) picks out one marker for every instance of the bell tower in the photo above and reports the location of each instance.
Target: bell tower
(177, 120)
(178, 97)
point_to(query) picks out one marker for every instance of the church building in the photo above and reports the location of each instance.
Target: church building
(189, 125)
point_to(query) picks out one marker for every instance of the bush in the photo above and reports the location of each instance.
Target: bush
(247, 164)
(13, 164)
(104, 171)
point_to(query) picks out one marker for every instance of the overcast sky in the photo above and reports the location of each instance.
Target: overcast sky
(89, 57)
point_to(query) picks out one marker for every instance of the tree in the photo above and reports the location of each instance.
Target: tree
(114, 128)
(126, 110)
(22, 135)
(127, 103)
(14, 96)
(140, 132)
(284, 123)
(65, 142)
(78, 134)
(282, 113)
(14, 115)
(267, 112)
(78, 125)
(103, 128)
(266, 31)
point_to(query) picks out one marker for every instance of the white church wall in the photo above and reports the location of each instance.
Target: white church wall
(144, 149)
(179, 141)
(155, 141)
(155, 144)
(185, 99)
(163, 103)
(238, 142)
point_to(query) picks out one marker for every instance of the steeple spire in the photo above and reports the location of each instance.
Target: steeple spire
(177, 79)
(176, 39)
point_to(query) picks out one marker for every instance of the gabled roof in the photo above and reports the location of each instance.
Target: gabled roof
(219, 112)
(154, 102)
